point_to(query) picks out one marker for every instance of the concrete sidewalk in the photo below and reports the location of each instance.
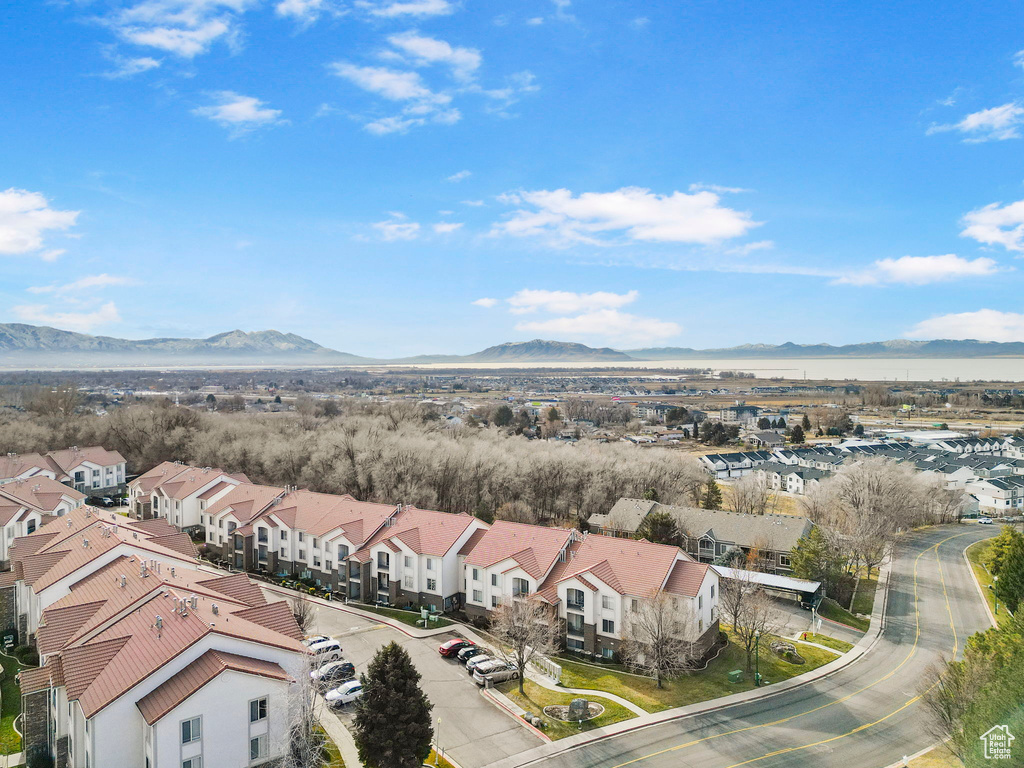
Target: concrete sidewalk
(339, 734)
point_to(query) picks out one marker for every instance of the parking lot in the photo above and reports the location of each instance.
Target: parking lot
(471, 729)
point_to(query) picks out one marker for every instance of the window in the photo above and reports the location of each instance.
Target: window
(282, 553)
(327, 565)
(574, 644)
(700, 602)
(478, 595)
(407, 582)
(706, 544)
(342, 551)
(607, 626)
(712, 591)
(232, 526)
(783, 561)
(607, 653)
(476, 574)
(257, 747)
(574, 599)
(191, 730)
(192, 762)
(607, 603)
(383, 560)
(494, 601)
(574, 624)
(430, 563)
(314, 543)
(300, 535)
(431, 585)
(316, 562)
(520, 587)
(258, 710)
(284, 535)
(494, 579)
(302, 554)
(408, 562)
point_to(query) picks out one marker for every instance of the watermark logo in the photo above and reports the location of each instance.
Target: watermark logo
(998, 742)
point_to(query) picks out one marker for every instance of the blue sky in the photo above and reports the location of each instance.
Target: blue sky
(392, 177)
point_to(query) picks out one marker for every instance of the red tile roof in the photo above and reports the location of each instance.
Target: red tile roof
(686, 578)
(71, 458)
(423, 531)
(533, 547)
(42, 493)
(168, 695)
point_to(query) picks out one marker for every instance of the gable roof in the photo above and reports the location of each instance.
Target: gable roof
(625, 515)
(424, 531)
(71, 458)
(780, 532)
(41, 493)
(533, 547)
(176, 689)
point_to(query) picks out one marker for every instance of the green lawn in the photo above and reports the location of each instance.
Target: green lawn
(10, 698)
(864, 600)
(406, 617)
(696, 687)
(537, 697)
(434, 759)
(333, 753)
(829, 642)
(830, 609)
(975, 554)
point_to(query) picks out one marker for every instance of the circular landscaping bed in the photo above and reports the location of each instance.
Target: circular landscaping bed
(561, 712)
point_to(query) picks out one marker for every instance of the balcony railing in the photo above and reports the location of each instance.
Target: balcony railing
(574, 629)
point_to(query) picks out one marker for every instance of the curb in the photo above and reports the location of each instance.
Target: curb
(508, 711)
(977, 584)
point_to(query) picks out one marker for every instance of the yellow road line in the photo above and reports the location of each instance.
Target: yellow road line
(913, 650)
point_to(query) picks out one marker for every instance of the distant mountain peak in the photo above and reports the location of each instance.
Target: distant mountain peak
(544, 350)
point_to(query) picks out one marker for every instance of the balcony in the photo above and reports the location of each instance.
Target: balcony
(574, 627)
(574, 605)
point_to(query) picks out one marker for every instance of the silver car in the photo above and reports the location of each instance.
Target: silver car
(495, 674)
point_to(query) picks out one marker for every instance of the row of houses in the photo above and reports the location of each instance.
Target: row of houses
(146, 660)
(26, 504)
(401, 555)
(93, 470)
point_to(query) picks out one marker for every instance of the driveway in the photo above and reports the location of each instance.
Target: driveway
(472, 730)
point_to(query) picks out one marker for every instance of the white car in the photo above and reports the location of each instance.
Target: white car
(308, 641)
(985, 520)
(324, 651)
(345, 693)
(477, 660)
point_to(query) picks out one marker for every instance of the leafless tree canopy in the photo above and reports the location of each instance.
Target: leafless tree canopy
(392, 453)
(303, 612)
(525, 628)
(751, 495)
(750, 612)
(659, 636)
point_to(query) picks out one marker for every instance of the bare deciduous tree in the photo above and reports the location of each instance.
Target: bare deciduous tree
(307, 742)
(525, 629)
(751, 495)
(748, 609)
(658, 638)
(303, 611)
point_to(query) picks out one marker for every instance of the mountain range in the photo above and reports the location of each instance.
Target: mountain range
(29, 345)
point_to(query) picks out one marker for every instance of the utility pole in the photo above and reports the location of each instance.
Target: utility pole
(757, 658)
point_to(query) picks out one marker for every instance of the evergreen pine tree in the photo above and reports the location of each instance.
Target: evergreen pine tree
(392, 726)
(797, 436)
(1010, 587)
(805, 423)
(712, 496)
(661, 528)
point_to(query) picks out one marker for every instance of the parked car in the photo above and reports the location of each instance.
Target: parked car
(453, 646)
(333, 672)
(106, 501)
(477, 660)
(985, 520)
(344, 694)
(469, 652)
(498, 675)
(324, 651)
(308, 641)
(490, 665)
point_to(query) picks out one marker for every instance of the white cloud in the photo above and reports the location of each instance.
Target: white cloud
(409, 8)
(485, 303)
(567, 302)
(473, 203)
(71, 321)
(633, 212)
(25, 218)
(640, 22)
(422, 104)
(995, 124)
(129, 67)
(749, 248)
(397, 228)
(985, 325)
(717, 189)
(82, 284)
(996, 224)
(460, 176)
(446, 227)
(1018, 59)
(611, 324)
(238, 112)
(185, 28)
(464, 62)
(305, 12)
(920, 270)
(515, 86)
(536, 21)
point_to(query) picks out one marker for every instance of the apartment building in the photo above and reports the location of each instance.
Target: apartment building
(93, 470)
(26, 504)
(149, 663)
(591, 582)
(179, 493)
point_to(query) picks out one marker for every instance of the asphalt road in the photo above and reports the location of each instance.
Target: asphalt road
(865, 716)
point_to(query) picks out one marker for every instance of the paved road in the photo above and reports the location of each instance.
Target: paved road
(865, 716)
(471, 730)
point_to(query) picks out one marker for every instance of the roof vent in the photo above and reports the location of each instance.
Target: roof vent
(124, 581)
(216, 610)
(85, 543)
(159, 622)
(143, 571)
(172, 571)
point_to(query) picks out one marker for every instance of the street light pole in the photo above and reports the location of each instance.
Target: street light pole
(757, 658)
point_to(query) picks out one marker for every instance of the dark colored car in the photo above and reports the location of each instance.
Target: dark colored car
(453, 646)
(333, 673)
(470, 651)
